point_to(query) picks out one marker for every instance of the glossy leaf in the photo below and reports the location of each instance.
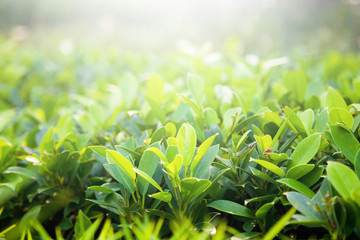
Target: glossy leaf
(232, 208)
(298, 186)
(122, 162)
(342, 178)
(271, 167)
(186, 143)
(305, 151)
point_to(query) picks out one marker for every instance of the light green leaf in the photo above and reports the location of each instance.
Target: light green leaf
(304, 205)
(334, 99)
(307, 118)
(271, 167)
(299, 171)
(204, 147)
(163, 196)
(340, 115)
(296, 82)
(119, 175)
(158, 135)
(345, 141)
(147, 178)
(342, 178)
(102, 189)
(232, 208)
(298, 186)
(81, 225)
(305, 151)
(263, 141)
(192, 188)
(158, 153)
(148, 163)
(295, 121)
(186, 143)
(99, 150)
(196, 87)
(122, 162)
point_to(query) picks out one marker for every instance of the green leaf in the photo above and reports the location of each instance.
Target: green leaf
(263, 141)
(175, 166)
(307, 118)
(279, 225)
(298, 186)
(147, 178)
(357, 163)
(157, 109)
(321, 121)
(204, 164)
(81, 225)
(122, 162)
(148, 164)
(158, 135)
(296, 82)
(299, 171)
(119, 175)
(342, 178)
(231, 208)
(192, 188)
(295, 121)
(211, 117)
(262, 175)
(305, 151)
(158, 153)
(186, 143)
(99, 150)
(47, 143)
(345, 141)
(264, 209)
(170, 130)
(237, 143)
(244, 124)
(271, 167)
(334, 99)
(102, 189)
(304, 205)
(196, 87)
(163, 196)
(204, 147)
(340, 115)
(24, 172)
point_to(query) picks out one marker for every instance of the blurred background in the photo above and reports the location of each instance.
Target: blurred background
(261, 27)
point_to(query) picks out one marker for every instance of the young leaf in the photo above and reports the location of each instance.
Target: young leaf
(295, 121)
(163, 196)
(122, 162)
(271, 167)
(263, 141)
(147, 178)
(232, 208)
(340, 115)
(204, 147)
(186, 142)
(158, 153)
(334, 99)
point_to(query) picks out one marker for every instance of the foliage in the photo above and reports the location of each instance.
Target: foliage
(107, 145)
